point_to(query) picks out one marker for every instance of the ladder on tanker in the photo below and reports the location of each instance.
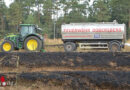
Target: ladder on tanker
(93, 45)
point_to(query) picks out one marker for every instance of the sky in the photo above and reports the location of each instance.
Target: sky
(8, 2)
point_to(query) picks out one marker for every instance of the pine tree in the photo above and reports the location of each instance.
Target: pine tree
(120, 10)
(3, 10)
(100, 11)
(15, 15)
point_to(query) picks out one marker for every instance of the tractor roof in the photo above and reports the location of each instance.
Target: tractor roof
(27, 24)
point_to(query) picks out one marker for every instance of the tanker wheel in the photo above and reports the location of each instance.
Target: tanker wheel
(7, 46)
(33, 43)
(69, 46)
(114, 47)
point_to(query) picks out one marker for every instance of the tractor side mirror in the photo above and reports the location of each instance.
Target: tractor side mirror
(39, 29)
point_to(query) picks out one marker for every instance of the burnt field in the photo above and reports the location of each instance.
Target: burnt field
(99, 60)
(78, 80)
(67, 71)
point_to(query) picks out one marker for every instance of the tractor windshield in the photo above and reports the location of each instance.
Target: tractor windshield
(25, 30)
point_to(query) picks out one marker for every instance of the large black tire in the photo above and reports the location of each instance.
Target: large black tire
(7, 46)
(39, 43)
(69, 47)
(114, 47)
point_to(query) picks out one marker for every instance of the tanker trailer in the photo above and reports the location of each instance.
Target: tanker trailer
(103, 35)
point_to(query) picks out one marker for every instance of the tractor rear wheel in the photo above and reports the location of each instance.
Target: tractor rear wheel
(33, 43)
(7, 46)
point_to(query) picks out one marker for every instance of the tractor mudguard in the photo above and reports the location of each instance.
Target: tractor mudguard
(36, 35)
(13, 38)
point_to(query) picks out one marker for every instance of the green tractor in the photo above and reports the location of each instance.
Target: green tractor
(28, 39)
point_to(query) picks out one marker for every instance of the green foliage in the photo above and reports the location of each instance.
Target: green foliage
(3, 11)
(99, 12)
(15, 14)
(47, 12)
(120, 10)
(48, 22)
(74, 11)
(30, 19)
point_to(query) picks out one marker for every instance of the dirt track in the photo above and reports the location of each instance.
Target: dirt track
(68, 71)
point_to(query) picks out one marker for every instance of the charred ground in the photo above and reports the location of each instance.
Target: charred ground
(71, 60)
(91, 80)
(68, 71)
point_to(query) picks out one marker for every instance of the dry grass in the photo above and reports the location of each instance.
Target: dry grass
(54, 49)
(33, 87)
(53, 42)
(54, 68)
(127, 48)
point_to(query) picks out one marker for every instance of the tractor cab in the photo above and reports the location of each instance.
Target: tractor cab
(27, 29)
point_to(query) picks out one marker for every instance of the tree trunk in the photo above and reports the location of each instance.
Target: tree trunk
(38, 14)
(129, 18)
(38, 7)
(2, 23)
(128, 30)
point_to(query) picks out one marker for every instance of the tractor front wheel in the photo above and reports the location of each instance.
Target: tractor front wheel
(7, 46)
(33, 43)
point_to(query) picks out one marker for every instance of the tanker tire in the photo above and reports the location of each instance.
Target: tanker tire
(69, 47)
(35, 38)
(114, 47)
